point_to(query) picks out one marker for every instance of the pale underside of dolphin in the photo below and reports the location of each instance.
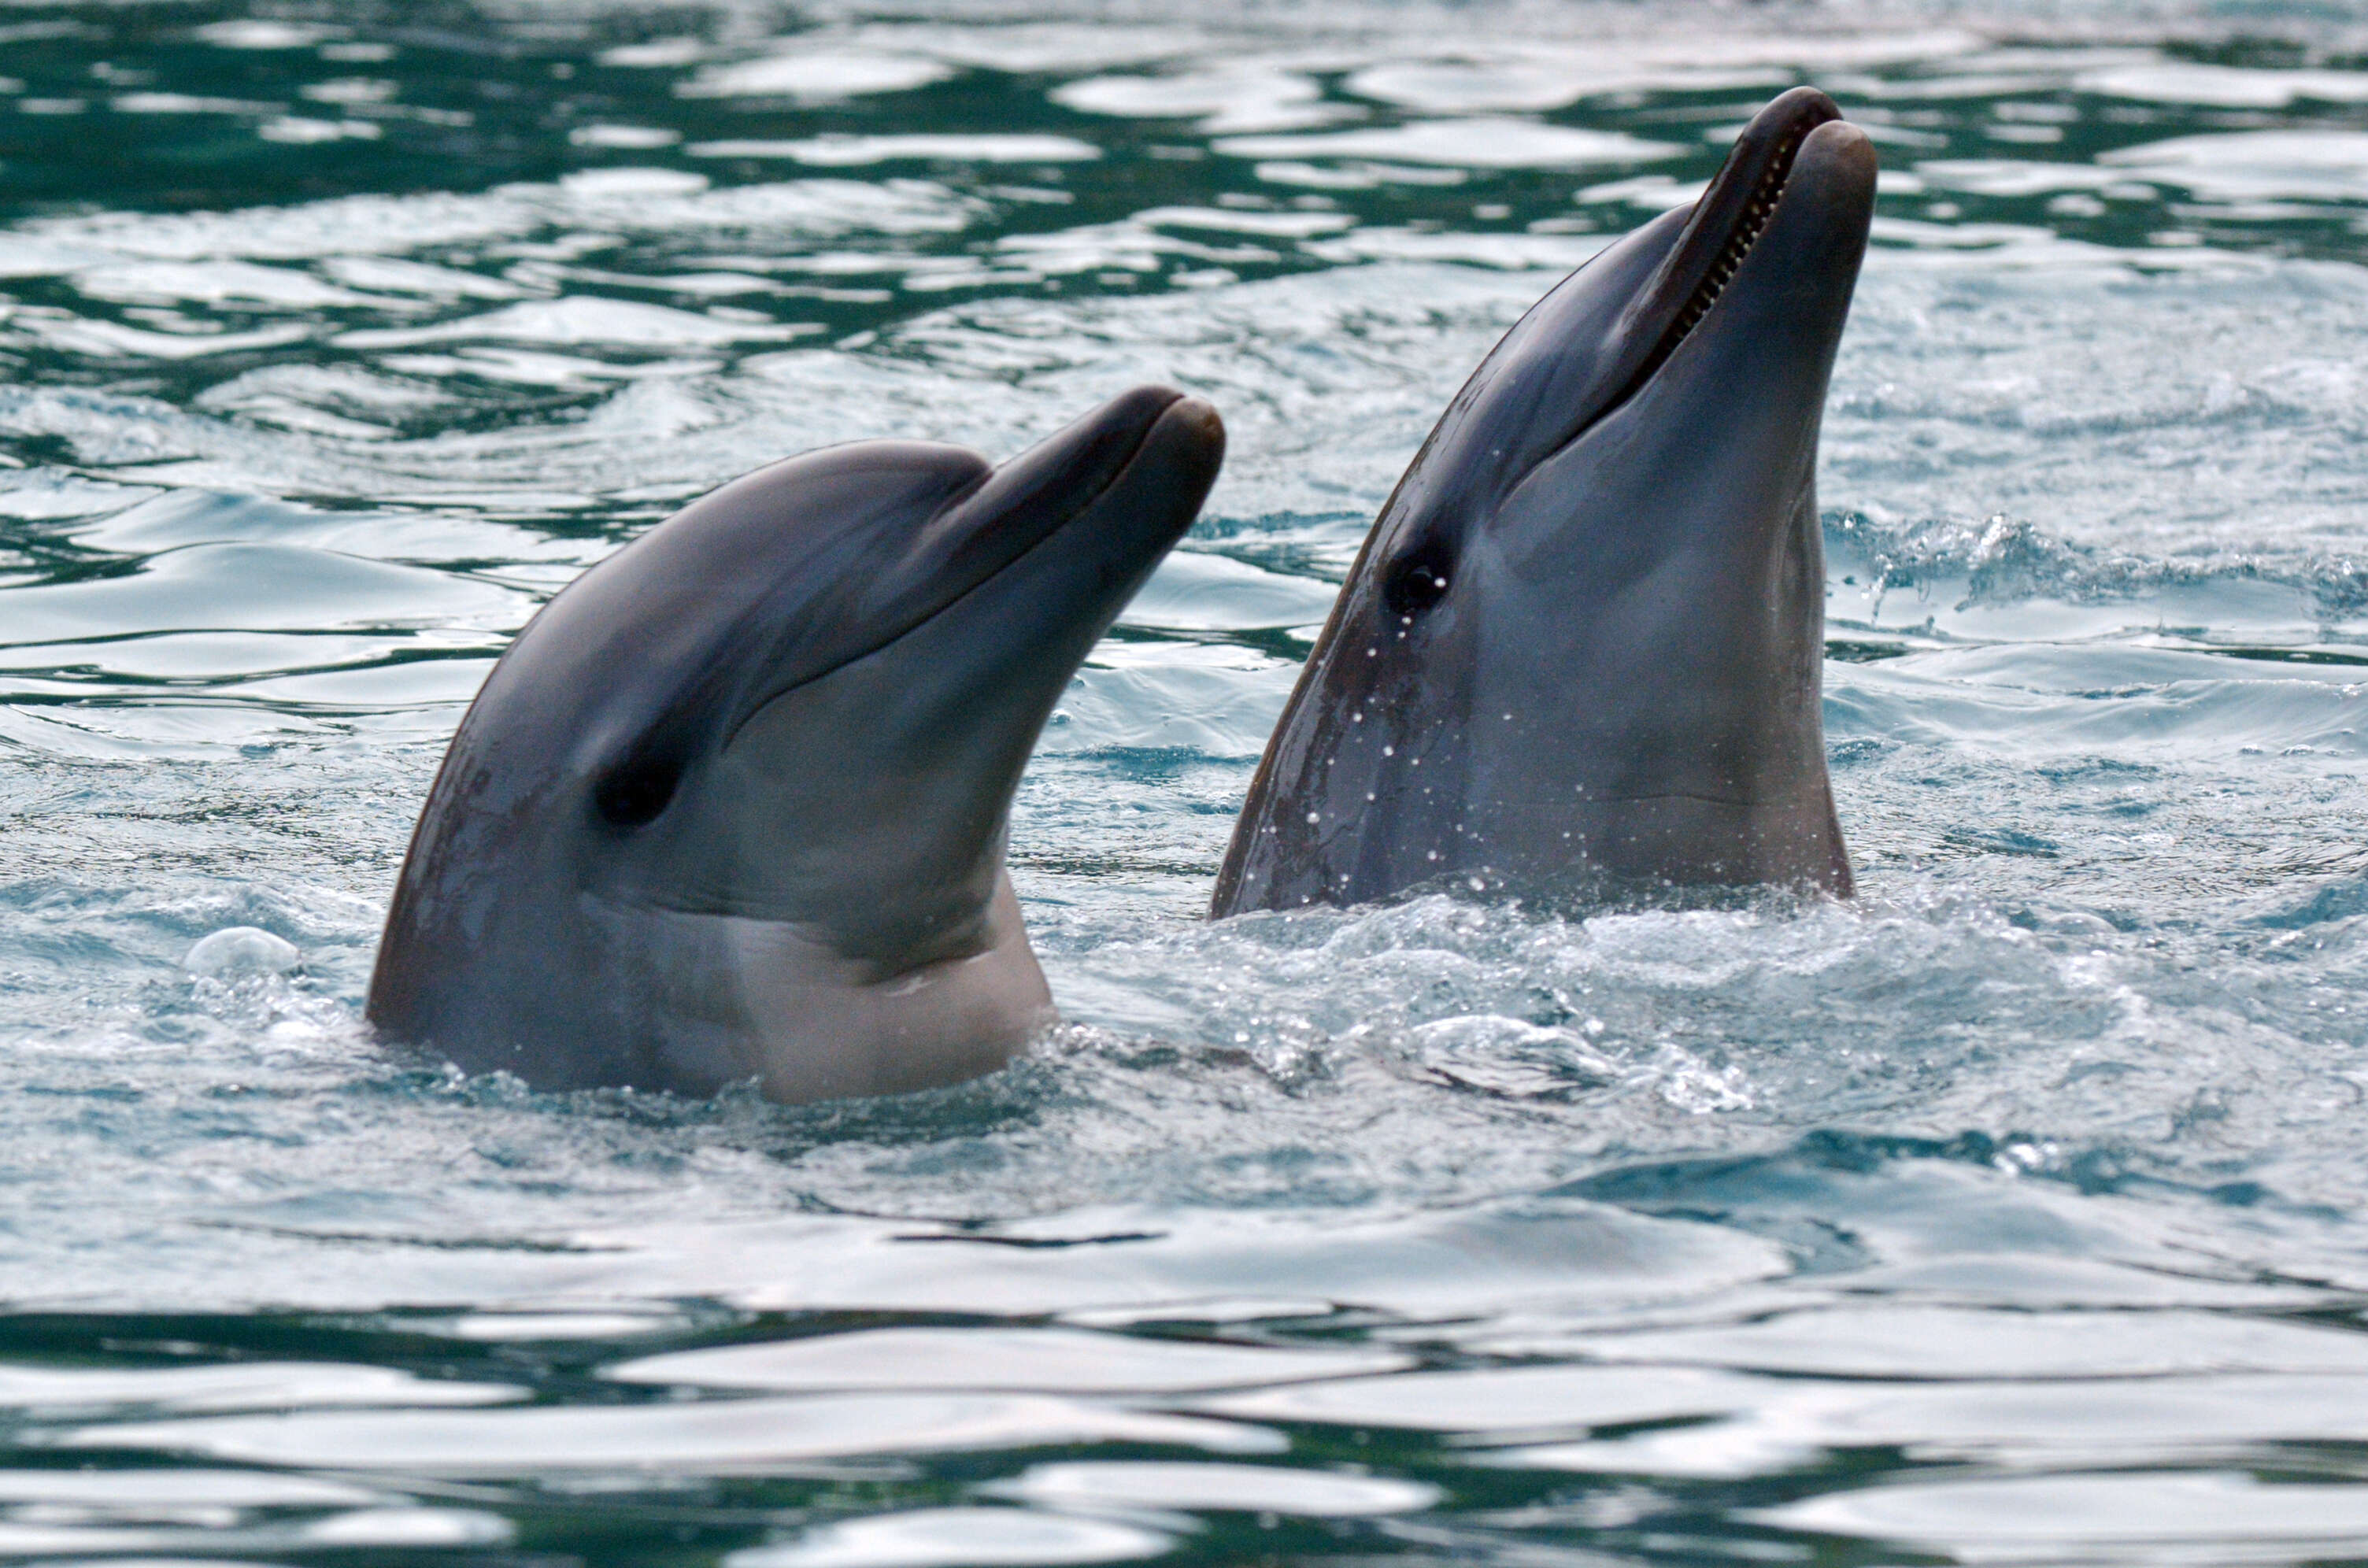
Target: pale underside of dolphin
(1582, 645)
(734, 804)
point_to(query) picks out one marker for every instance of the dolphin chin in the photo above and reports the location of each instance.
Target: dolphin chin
(734, 804)
(1583, 641)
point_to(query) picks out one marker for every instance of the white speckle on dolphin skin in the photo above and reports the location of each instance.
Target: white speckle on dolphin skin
(1537, 551)
(241, 950)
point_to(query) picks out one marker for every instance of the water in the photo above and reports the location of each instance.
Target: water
(2012, 1213)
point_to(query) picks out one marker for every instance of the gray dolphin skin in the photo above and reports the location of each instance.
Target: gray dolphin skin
(1582, 644)
(733, 804)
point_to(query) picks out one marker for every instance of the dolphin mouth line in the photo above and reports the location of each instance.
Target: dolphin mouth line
(1748, 220)
(1757, 212)
(1048, 531)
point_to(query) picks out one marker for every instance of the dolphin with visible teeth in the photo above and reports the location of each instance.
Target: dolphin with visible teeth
(1583, 638)
(733, 804)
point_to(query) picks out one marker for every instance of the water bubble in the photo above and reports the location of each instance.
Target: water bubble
(242, 949)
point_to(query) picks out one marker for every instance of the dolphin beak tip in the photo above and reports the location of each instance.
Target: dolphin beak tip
(1840, 157)
(1174, 414)
(1199, 417)
(1191, 428)
(1839, 139)
(1814, 101)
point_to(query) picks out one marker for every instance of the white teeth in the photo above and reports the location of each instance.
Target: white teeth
(1759, 209)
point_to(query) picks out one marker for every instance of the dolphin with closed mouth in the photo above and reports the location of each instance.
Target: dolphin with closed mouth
(1583, 638)
(733, 804)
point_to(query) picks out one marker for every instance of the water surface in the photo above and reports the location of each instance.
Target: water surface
(2013, 1212)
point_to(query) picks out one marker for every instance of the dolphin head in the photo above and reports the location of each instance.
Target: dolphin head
(740, 791)
(1586, 629)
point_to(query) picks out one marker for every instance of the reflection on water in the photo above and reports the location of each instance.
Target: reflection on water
(2012, 1213)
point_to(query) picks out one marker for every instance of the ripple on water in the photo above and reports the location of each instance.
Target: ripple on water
(2009, 1212)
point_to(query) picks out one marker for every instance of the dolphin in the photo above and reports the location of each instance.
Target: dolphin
(733, 804)
(1582, 643)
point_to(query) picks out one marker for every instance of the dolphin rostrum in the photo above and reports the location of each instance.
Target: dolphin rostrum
(733, 804)
(1583, 640)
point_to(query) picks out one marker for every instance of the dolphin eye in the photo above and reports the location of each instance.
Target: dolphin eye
(632, 793)
(1418, 579)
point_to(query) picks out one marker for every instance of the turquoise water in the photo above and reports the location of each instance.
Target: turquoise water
(2012, 1213)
